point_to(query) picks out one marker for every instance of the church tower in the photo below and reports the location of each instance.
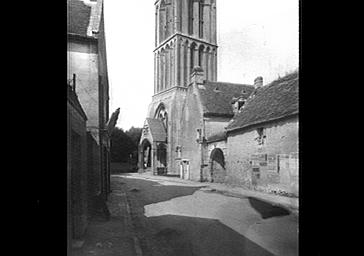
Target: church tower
(185, 37)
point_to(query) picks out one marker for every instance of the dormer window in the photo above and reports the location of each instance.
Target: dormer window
(261, 136)
(217, 89)
(241, 103)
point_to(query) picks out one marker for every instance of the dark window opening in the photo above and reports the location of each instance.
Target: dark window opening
(190, 17)
(200, 55)
(260, 131)
(261, 136)
(241, 104)
(201, 19)
(192, 56)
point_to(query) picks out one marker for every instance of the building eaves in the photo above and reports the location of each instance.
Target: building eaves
(260, 123)
(219, 136)
(83, 38)
(275, 101)
(73, 100)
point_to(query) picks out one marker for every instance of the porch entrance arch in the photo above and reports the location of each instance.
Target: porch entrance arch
(146, 152)
(217, 166)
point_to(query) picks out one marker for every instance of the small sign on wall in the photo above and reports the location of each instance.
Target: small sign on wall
(283, 161)
(255, 175)
(272, 162)
(258, 157)
(263, 163)
(273, 177)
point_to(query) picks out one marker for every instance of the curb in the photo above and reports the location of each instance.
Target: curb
(128, 219)
(291, 208)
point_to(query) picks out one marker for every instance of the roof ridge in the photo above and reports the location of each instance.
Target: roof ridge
(287, 78)
(229, 83)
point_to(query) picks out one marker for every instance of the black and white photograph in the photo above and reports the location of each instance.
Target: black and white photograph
(183, 128)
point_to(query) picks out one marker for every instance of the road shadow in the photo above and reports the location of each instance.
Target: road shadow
(140, 193)
(174, 235)
(194, 236)
(267, 210)
(150, 192)
(106, 238)
(122, 167)
(172, 175)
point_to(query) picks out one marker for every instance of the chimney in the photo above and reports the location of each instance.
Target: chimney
(197, 75)
(258, 82)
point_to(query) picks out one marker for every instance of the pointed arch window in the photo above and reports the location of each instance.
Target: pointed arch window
(190, 16)
(200, 18)
(200, 56)
(192, 56)
(162, 21)
(169, 21)
(162, 115)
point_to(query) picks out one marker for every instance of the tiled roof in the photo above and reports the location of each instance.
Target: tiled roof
(274, 101)
(73, 100)
(217, 136)
(157, 129)
(78, 17)
(216, 97)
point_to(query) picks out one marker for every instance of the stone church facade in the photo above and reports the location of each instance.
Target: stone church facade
(185, 133)
(185, 62)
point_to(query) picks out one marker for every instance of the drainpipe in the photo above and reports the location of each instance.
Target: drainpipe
(202, 165)
(74, 82)
(201, 141)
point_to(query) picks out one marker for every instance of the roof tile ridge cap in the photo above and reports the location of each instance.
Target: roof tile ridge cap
(229, 83)
(288, 82)
(285, 79)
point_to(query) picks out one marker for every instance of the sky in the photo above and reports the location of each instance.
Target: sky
(254, 37)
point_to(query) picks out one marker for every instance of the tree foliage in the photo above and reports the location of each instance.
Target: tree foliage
(124, 144)
(135, 134)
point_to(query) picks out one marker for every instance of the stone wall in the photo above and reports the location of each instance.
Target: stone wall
(77, 173)
(190, 122)
(215, 125)
(83, 61)
(280, 148)
(94, 171)
(173, 100)
(103, 74)
(87, 59)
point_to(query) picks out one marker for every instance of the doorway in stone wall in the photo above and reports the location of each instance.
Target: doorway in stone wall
(146, 154)
(185, 169)
(217, 166)
(162, 159)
